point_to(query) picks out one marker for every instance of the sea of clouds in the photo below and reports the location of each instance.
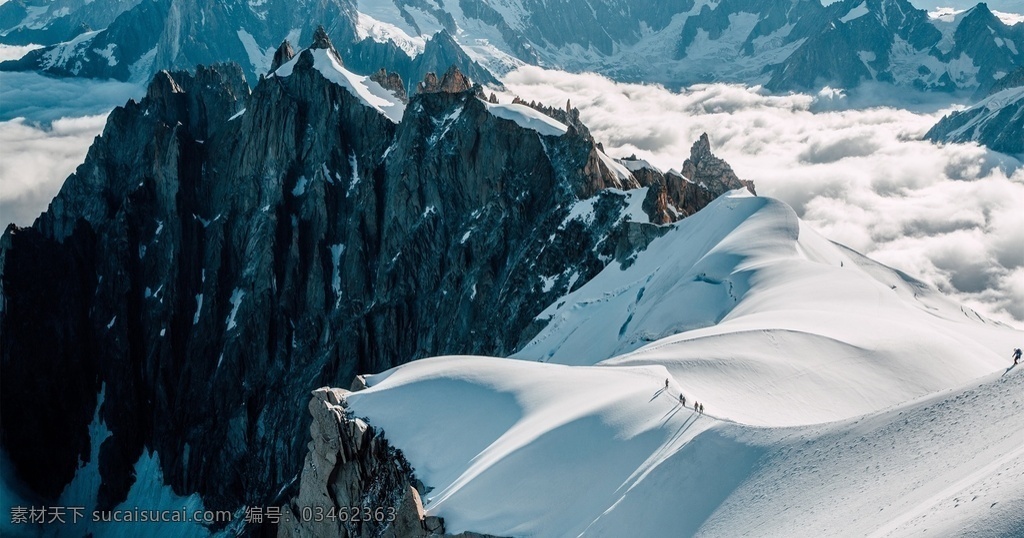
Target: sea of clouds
(952, 215)
(46, 127)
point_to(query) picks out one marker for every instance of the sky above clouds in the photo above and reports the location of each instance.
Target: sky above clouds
(951, 215)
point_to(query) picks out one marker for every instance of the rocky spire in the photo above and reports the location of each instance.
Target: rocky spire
(453, 81)
(392, 82)
(704, 167)
(322, 41)
(284, 53)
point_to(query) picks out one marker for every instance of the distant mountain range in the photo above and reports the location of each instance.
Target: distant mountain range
(997, 121)
(784, 45)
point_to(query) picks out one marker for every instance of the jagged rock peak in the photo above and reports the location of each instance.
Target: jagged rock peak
(163, 84)
(349, 463)
(704, 167)
(284, 53)
(170, 96)
(701, 149)
(568, 115)
(321, 40)
(392, 82)
(453, 81)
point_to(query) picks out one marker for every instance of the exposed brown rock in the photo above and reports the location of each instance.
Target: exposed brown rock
(703, 166)
(392, 82)
(453, 81)
(350, 464)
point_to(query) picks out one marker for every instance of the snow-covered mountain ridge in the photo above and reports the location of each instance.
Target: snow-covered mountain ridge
(512, 449)
(838, 391)
(788, 45)
(996, 121)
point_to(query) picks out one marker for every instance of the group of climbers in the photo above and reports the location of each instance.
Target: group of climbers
(697, 407)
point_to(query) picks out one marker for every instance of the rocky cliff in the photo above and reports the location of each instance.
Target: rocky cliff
(221, 251)
(354, 483)
(996, 121)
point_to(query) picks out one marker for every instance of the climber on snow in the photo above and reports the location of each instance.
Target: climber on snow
(1016, 356)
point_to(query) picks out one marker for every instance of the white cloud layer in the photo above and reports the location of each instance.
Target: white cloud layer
(44, 99)
(34, 161)
(951, 215)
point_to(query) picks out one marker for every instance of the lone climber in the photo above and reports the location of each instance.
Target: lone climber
(1016, 356)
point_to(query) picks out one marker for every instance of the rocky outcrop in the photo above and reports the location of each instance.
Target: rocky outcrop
(220, 252)
(392, 82)
(282, 55)
(703, 178)
(704, 168)
(354, 484)
(349, 466)
(453, 81)
(997, 122)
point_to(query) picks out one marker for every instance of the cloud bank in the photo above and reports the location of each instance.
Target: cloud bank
(45, 99)
(951, 215)
(46, 127)
(34, 161)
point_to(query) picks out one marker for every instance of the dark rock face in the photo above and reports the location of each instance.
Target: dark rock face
(997, 122)
(284, 53)
(219, 253)
(1011, 80)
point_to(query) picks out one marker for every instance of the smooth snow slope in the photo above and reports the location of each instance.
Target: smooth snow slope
(515, 448)
(768, 323)
(781, 331)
